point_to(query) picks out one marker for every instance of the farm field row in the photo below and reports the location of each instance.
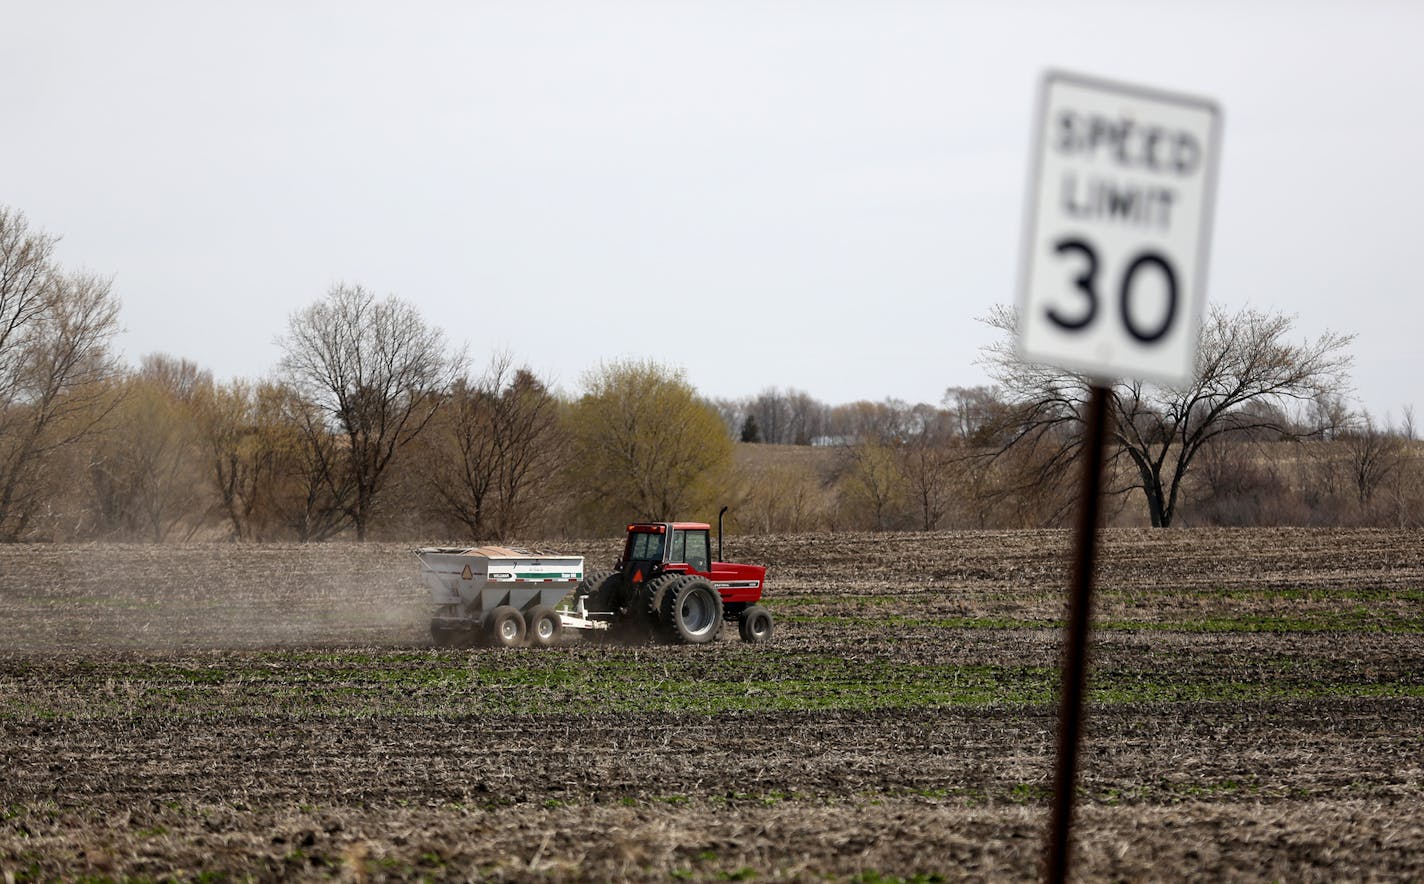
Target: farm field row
(233, 711)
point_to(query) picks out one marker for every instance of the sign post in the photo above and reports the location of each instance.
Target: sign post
(1112, 286)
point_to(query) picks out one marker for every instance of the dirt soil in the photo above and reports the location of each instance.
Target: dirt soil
(233, 712)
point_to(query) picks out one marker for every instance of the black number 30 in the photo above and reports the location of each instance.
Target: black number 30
(1086, 284)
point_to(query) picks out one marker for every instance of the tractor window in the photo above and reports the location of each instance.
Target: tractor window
(697, 554)
(646, 547)
(690, 547)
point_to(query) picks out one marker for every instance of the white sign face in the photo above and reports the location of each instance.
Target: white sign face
(1115, 243)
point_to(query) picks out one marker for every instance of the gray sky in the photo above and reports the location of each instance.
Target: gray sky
(816, 195)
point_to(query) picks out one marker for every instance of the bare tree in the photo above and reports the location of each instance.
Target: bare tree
(55, 330)
(928, 456)
(975, 413)
(315, 486)
(779, 496)
(253, 448)
(1327, 415)
(496, 449)
(1372, 453)
(226, 426)
(1405, 494)
(1243, 360)
(146, 470)
(885, 422)
(1236, 487)
(273, 463)
(807, 417)
(533, 448)
(772, 411)
(463, 457)
(790, 417)
(25, 268)
(375, 374)
(734, 414)
(872, 482)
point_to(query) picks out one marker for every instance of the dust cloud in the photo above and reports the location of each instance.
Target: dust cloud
(218, 596)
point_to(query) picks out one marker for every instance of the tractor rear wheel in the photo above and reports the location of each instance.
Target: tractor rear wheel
(599, 590)
(544, 624)
(692, 611)
(505, 627)
(755, 625)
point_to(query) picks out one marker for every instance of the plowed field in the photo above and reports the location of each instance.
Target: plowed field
(226, 711)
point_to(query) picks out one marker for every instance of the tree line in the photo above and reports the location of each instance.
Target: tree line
(372, 425)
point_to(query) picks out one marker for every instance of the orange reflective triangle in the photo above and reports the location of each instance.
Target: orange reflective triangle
(638, 577)
(467, 573)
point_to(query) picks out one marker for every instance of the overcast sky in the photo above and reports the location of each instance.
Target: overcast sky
(814, 195)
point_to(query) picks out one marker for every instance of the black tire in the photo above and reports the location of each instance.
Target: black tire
(545, 626)
(505, 627)
(692, 611)
(599, 590)
(755, 625)
(645, 614)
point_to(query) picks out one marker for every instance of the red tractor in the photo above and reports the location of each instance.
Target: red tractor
(666, 586)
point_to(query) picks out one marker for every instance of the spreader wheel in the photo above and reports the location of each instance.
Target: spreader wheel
(755, 625)
(545, 626)
(692, 611)
(505, 627)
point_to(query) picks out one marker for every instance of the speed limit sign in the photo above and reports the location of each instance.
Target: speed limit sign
(1115, 241)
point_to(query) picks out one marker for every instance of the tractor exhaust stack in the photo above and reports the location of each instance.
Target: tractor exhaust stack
(720, 514)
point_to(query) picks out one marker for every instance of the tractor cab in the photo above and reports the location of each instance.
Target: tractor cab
(656, 547)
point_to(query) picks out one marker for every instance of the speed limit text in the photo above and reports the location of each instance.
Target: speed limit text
(1151, 152)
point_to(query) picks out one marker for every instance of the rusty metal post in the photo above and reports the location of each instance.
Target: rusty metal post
(1070, 710)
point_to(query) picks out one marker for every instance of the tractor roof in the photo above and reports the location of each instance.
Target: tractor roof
(678, 526)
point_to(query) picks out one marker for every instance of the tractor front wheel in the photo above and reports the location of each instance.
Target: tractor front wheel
(505, 627)
(755, 625)
(692, 611)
